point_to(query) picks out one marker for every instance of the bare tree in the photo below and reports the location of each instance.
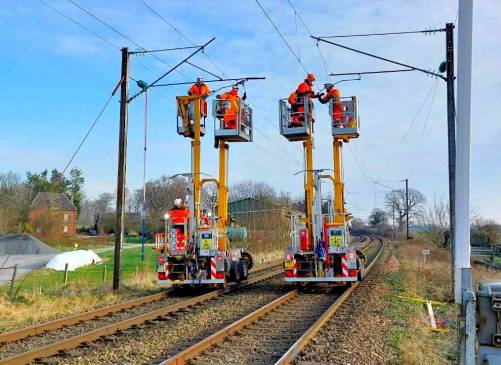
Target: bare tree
(252, 189)
(135, 201)
(15, 200)
(160, 194)
(103, 202)
(435, 223)
(395, 200)
(209, 196)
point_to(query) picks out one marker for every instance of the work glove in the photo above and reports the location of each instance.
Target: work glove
(245, 96)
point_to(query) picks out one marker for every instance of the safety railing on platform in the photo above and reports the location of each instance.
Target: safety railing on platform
(232, 120)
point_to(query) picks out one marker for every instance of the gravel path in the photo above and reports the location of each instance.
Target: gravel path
(154, 341)
(357, 333)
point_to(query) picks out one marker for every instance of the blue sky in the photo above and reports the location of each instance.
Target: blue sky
(57, 76)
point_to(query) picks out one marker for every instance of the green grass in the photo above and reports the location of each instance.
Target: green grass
(497, 260)
(52, 282)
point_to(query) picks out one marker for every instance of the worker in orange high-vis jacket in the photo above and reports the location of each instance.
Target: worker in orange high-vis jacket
(304, 90)
(200, 89)
(180, 216)
(337, 112)
(231, 113)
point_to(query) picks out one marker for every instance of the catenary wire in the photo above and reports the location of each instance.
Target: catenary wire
(399, 145)
(91, 128)
(181, 34)
(282, 36)
(411, 170)
(122, 35)
(57, 11)
(425, 31)
(324, 61)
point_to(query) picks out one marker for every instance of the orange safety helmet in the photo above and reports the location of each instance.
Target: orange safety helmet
(310, 77)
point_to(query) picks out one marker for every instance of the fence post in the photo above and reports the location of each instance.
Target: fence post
(104, 273)
(14, 273)
(65, 274)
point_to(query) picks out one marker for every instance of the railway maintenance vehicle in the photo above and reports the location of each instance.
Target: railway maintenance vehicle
(196, 250)
(319, 249)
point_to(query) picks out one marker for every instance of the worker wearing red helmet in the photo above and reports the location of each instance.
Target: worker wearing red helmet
(337, 110)
(304, 90)
(200, 89)
(231, 113)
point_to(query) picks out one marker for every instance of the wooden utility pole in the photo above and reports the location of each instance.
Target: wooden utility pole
(407, 206)
(122, 167)
(451, 134)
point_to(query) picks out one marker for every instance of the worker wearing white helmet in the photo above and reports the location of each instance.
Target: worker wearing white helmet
(200, 89)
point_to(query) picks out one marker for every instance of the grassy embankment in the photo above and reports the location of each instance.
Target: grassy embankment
(410, 338)
(41, 295)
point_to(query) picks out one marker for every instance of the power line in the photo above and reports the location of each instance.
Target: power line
(113, 45)
(379, 57)
(425, 31)
(79, 24)
(279, 147)
(268, 120)
(163, 50)
(324, 61)
(92, 126)
(282, 36)
(423, 131)
(121, 34)
(181, 34)
(406, 133)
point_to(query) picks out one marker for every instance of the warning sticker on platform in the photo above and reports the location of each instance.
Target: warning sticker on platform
(336, 238)
(206, 241)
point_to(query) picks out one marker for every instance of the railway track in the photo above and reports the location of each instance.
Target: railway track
(43, 340)
(276, 332)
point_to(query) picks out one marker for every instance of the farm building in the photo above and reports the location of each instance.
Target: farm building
(53, 213)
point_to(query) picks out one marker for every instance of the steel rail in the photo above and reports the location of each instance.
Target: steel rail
(40, 328)
(219, 337)
(77, 318)
(74, 341)
(289, 356)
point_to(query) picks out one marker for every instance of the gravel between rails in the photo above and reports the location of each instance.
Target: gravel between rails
(264, 341)
(358, 332)
(156, 340)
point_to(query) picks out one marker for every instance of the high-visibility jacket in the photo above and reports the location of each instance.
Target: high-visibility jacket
(231, 114)
(305, 88)
(337, 111)
(292, 98)
(179, 216)
(202, 91)
(198, 90)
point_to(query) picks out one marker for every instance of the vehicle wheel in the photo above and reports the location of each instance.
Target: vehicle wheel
(244, 270)
(235, 274)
